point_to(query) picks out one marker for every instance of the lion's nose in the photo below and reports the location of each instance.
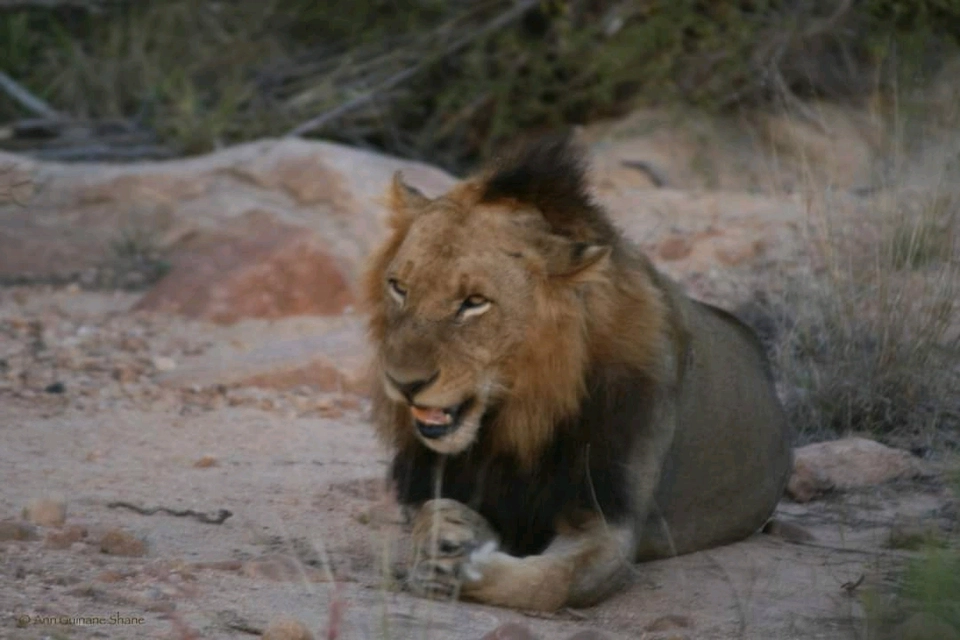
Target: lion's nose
(411, 388)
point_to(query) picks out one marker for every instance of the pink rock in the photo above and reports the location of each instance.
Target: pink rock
(273, 270)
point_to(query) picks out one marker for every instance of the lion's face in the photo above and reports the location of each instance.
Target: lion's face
(459, 295)
(456, 308)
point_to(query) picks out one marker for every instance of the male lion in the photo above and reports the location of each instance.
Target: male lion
(558, 408)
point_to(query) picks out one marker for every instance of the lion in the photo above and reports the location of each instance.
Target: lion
(557, 409)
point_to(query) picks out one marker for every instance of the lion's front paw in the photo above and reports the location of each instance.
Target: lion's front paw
(446, 534)
(436, 577)
(447, 576)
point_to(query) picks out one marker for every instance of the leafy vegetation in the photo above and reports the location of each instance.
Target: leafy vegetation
(449, 81)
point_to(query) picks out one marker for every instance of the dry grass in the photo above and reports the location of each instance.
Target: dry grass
(869, 339)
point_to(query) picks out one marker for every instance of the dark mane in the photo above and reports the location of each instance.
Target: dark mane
(549, 173)
(584, 469)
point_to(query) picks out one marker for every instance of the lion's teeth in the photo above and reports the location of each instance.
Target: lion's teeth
(431, 416)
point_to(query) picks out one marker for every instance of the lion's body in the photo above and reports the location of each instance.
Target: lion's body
(587, 409)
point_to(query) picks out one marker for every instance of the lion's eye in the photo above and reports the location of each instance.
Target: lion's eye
(396, 290)
(473, 306)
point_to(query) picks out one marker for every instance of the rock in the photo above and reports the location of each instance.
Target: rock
(326, 354)
(270, 270)
(287, 629)
(64, 538)
(163, 364)
(322, 201)
(839, 148)
(789, 531)
(17, 531)
(55, 387)
(206, 462)
(675, 247)
(669, 623)
(925, 626)
(118, 542)
(651, 148)
(46, 512)
(722, 236)
(510, 631)
(845, 464)
(807, 482)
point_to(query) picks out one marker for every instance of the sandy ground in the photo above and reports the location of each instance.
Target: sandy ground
(310, 534)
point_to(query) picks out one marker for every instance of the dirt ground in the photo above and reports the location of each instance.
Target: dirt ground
(310, 535)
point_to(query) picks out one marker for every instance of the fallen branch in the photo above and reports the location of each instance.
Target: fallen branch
(220, 518)
(501, 21)
(29, 101)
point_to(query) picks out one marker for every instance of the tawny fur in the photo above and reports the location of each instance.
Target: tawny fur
(603, 394)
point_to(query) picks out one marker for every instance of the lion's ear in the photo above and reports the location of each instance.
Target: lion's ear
(578, 261)
(405, 201)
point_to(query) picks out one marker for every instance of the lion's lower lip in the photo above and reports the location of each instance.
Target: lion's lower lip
(434, 431)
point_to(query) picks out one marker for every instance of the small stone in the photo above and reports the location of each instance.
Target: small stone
(669, 623)
(55, 387)
(64, 538)
(117, 542)
(125, 374)
(510, 631)
(287, 629)
(163, 363)
(46, 512)
(206, 462)
(17, 531)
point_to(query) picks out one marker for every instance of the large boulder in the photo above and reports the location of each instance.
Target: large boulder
(265, 229)
(845, 464)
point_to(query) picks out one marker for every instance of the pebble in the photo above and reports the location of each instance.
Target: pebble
(65, 537)
(206, 462)
(17, 531)
(163, 363)
(46, 512)
(117, 542)
(287, 629)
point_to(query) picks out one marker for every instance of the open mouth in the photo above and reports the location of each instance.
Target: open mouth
(433, 422)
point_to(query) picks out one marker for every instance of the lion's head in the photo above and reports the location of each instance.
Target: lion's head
(488, 303)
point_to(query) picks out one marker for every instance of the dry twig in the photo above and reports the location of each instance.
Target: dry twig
(501, 21)
(29, 101)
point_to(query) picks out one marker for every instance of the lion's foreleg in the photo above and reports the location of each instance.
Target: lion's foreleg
(580, 567)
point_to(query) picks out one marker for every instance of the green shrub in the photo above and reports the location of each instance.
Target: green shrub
(207, 73)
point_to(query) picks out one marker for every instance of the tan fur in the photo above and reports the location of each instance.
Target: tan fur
(715, 426)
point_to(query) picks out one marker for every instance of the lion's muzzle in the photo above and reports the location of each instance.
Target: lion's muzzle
(433, 422)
